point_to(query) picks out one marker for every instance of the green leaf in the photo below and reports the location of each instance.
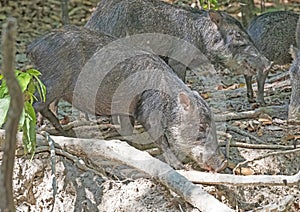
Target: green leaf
(41, 89)
(33, 72)
(22, 119)
(29, 83)
(31, 87)
(29, 134)
(24, 80)
(18, 72)
(4, 106)
(3, 89)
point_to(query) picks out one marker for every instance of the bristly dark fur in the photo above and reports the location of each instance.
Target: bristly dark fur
(273, 33)
(215, 33)
(142, 86)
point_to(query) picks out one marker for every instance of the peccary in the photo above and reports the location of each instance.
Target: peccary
(273, 33)
(294, 107)
(218, 35)
(104, 77)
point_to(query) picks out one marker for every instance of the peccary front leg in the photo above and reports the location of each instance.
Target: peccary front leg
(169, 156)
(178, 68)
(127, 125)
(250, 95)
(53, 107)
(261, 79)
(44, 110)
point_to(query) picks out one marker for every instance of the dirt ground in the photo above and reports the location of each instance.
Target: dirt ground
(122, 188)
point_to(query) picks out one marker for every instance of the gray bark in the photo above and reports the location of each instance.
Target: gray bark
(14, 113)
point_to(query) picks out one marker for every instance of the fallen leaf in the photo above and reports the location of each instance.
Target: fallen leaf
(290, 137)
(244, 171)
(65, 120)
(220, 87)
(243, 126)
(236, 123)
(265, 119)
(253, 126)
(251, 129)
(232, 87)
(260, 132)
(205, 95)
(247, 171)
(231, 165)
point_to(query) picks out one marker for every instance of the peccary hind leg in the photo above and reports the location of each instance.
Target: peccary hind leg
(250, 95)
(261, 79)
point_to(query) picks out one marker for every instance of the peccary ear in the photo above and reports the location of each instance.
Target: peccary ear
(184, 100)
(215, 17)
(293, 52)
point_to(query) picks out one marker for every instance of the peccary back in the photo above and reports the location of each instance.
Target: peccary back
(215, 33)
(273, 33)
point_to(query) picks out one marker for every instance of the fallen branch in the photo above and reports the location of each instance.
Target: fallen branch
(270, 110)
(279, 77)
(221, 179)
(241, 132)
(116, 150)
(203, 177)
(258, 146)
(143, 141)
(121, 151)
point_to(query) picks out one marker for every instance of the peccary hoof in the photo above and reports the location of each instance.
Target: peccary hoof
(261, 102)
(251, 100)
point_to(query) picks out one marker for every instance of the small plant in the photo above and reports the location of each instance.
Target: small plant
(204, 4)
(30, 83)
(209, 4)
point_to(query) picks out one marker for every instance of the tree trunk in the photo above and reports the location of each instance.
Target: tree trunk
(14, 113)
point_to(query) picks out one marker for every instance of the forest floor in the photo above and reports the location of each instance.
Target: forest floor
(122, 188)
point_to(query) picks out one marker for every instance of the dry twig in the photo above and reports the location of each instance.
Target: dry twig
(237, 180)
(241, 132)
(258, 146)
(270, 110)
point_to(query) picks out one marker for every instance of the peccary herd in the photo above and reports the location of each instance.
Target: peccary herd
(100, 70)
